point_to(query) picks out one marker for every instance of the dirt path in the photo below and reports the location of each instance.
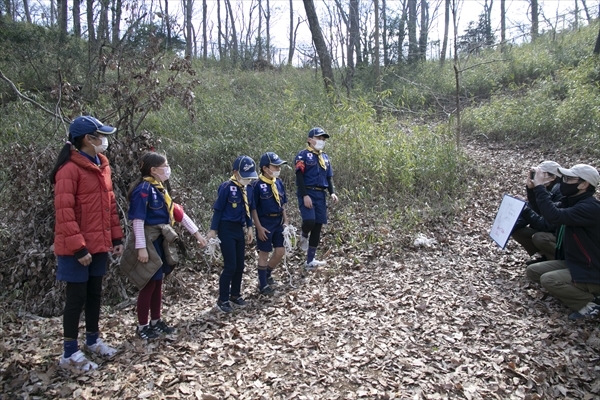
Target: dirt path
(387, 319)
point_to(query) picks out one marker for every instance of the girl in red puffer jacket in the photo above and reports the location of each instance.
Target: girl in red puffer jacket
(86, 229)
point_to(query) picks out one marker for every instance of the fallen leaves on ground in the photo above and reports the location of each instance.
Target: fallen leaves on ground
(386, 318)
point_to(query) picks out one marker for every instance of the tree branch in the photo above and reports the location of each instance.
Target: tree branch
(21, 95)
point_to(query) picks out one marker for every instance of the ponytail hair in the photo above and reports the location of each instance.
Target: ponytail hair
(65, 155)
(149, 160)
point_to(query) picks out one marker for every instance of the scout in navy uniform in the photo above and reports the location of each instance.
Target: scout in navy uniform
(314, 177)
(268, 214)
(232, 223)
(150, 206)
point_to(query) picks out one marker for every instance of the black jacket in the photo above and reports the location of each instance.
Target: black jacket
(530, 216)
(580, 246)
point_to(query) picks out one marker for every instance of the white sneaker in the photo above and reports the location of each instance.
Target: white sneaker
(314, 264)
(303, 243)
(102, 349)
(77, 362)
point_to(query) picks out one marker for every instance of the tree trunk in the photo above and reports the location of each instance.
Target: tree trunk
(402, 30)
(292, 35)
(413, 46)
(446, 26)
(576, 24)
(534, 19)
(103, 22)
(456, 71)
(259, 38)
(62, 17)
(116, 25)
(89, 12)
(320, 45)
(353, 34)
(597, 46)
(424, 30)
(234, 38)
(219, 32)
(386, 56)
(26, 10)
(376, 52)
(503, 25)
(587, 12)
(268, 23)
(167, 20)
(188, 27)
(76, 18)
(9, 11)
(204, 24)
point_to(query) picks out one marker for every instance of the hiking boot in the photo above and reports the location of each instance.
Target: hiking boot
(536, 260)
(77, 362)
(102, 349)
(303, 243)
(146, 333)
(271, 281)
(267, 290)
(314, 264)
(238, 302)
(224, 306)
(161, 328)
(591, 309)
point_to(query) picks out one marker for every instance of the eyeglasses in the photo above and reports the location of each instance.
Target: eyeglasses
(571, 179)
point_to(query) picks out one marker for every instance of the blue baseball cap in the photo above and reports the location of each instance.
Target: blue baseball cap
(246, 167)
(88, 125)
(270, 158)
(317, 132)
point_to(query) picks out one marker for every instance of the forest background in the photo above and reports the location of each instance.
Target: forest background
(399, 114)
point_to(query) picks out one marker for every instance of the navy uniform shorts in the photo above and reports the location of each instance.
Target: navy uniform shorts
(275, 236)
(318, 212)
(69, 268)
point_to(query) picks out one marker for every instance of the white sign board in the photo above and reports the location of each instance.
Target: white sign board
(507, 215)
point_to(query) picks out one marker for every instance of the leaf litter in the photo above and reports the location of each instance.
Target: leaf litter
(439, 314)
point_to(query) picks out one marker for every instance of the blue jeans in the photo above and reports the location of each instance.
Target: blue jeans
(233, 244)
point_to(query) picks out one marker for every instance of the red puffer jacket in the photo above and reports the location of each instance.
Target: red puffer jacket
(85, 206)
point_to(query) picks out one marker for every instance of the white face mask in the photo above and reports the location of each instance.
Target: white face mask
(244, 182)
(275, 174)
(319, 144)
(165, 175)
(102, 147)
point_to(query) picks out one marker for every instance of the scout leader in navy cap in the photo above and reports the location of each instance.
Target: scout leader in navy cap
(231, 221)
(269, 216)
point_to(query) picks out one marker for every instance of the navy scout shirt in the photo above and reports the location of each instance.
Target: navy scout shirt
(230, 203)
(264, 201)
(308, 162)
(148, 203)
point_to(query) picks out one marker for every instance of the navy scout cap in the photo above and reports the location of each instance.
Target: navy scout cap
(317, 132)
(88, 125)
(246, 167)
(270, 158)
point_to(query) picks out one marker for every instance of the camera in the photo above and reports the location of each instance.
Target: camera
(531, 174)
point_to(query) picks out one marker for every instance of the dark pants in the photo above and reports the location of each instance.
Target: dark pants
(80, 295)
(231, 235)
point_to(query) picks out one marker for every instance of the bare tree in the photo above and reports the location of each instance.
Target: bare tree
(89, 11)
(76, 18)
(26, 11)
(503, 25)
(534, 19)
(585, 9)
(219, 32)
(376, 52)
(386, 57)
(62, 16)
(292, 35)
(319, 42)
(116, 21)
(446, 25)
(597, 46)
(413, 46)
(259, 37)
(188, 27)
(354, 34)
(268, 28)
(204, 24)
(167, 22)
(234, 38)
(424, 29)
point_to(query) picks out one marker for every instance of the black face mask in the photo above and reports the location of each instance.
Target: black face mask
(568, 189)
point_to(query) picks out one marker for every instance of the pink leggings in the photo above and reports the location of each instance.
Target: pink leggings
(150, 297)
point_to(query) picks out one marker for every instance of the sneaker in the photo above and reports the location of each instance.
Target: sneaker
(271, 281)
(147, 333)
(314, 264)
(102, 349)
(591, 309)
(303, 243)
(77, 362)
(161, 328)
(238, 302)
(267, 290)
(224, 306)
